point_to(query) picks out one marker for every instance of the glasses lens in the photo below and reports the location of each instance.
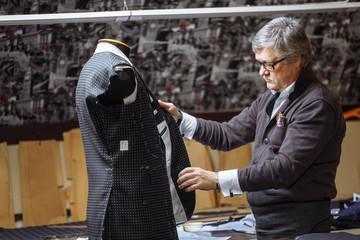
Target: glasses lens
(269, 67)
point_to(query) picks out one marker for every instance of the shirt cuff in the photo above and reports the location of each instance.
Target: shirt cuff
(229, 183)
(188, 125)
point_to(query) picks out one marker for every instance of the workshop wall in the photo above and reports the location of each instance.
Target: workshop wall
(201, 65)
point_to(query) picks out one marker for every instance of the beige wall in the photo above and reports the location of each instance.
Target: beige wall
(347, 181)
(14, 165)
(348, 172)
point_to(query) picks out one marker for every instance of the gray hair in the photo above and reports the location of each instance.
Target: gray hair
(287, 37)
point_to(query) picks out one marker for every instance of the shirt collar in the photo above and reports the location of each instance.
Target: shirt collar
(286, 93)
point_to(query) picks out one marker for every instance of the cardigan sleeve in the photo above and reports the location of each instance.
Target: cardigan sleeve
(226, 136)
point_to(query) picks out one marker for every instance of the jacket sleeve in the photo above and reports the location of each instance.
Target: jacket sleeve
(226, 136)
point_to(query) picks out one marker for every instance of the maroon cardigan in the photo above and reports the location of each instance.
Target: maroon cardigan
(293, 163)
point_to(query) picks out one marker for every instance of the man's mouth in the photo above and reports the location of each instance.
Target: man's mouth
(268, 80)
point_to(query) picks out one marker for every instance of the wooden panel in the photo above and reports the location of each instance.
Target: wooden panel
(57, 162)
(348, 173)
(67, 154)
(43, 203)
(78, 191)
(7, 219)
(235, 159)
(199, 157)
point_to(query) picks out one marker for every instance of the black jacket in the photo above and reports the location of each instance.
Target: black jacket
(132, 192)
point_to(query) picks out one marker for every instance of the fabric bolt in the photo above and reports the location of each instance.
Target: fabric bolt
(130, 196)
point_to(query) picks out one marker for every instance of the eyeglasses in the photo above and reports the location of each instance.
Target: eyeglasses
(269, 66)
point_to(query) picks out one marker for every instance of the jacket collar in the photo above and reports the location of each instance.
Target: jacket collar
(305, 78)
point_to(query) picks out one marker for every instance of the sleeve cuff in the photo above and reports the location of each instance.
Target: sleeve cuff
(229, 183)
(188, 125)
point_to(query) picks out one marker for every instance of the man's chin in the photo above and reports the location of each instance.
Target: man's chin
(270, 86)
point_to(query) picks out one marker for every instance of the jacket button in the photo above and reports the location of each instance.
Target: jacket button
(255, 162)
(266, 140)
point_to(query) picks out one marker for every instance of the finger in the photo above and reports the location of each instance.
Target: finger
(164, 104)
(187, 177)
(170, 107)
(186, 170)
(184, 184)
(193, 185)
(167, 106)
(190, 188)
(183, 178)
(189, 184)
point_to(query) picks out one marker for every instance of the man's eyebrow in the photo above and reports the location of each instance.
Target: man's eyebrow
(265, 61)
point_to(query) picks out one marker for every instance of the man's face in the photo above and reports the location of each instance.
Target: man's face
(283, 75)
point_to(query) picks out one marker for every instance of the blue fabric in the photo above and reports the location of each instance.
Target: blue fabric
(328, 236)
(36, 233)
(350, 213)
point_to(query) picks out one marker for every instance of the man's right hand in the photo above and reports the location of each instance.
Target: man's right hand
(170, 107)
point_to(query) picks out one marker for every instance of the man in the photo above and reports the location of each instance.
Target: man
(297, 145)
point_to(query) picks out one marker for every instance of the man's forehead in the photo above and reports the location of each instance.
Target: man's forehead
(265, 55)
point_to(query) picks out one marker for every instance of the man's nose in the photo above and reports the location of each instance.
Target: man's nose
(263, 71)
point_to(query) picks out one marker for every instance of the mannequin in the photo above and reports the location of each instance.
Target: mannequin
(134, 151)
(124, 48)
(123, 83)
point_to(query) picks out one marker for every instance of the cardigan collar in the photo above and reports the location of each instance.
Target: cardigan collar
(305, 78)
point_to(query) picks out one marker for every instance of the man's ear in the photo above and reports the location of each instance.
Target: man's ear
(298, 61)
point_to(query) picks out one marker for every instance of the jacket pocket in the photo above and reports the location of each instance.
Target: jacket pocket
(277, 137)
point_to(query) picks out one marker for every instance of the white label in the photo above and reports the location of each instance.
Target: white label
(124, 145)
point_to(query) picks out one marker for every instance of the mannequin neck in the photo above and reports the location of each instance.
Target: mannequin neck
(120, 45)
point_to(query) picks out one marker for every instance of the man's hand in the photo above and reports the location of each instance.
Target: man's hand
(194, 178)
(170, 107)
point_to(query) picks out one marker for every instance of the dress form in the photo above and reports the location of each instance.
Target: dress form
(120, 45)
(123, 84)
